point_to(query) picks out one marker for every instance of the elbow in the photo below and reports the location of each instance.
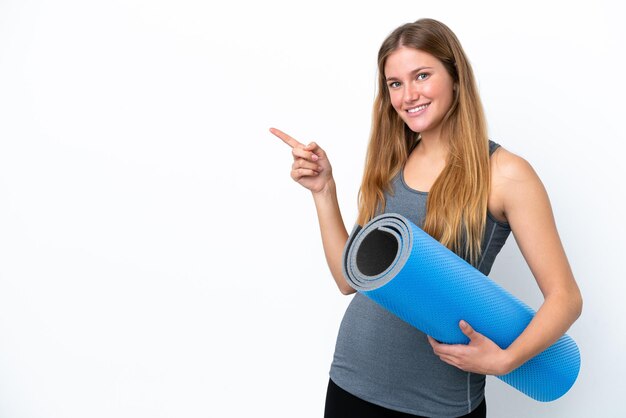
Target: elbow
(574, 303)
(342, 283)
(346, 290)
(578, 305)
(575, 298)
(568, 302)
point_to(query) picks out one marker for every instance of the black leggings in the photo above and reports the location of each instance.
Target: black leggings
(341, 404)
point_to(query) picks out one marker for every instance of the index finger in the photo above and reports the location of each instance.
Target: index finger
(434, 343)
(286, 138)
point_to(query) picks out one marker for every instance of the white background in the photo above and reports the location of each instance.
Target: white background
(156, 260)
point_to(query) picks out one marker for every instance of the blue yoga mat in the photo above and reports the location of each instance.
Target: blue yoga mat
(402, 268)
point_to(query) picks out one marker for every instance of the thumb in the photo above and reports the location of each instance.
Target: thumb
(468, 330)
(313, 147)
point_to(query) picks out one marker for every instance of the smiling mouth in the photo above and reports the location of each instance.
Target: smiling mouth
(418, 108)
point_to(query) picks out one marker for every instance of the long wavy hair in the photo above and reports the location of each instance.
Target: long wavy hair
(457, 202)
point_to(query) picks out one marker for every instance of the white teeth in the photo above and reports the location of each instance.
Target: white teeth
(418, 108)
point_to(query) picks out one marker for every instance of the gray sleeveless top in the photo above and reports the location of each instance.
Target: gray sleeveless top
(384, 360)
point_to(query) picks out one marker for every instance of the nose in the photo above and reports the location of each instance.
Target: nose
(411, 93)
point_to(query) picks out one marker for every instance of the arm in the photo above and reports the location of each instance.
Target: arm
(527, 209)
(312, 170)
(334, 234)
(519, 197)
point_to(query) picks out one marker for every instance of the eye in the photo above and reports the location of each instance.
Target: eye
(422, 76)
(394, 84)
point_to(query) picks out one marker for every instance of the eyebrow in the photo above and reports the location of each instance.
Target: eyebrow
(417, 70)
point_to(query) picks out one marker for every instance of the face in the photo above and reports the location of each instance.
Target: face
(420, 88)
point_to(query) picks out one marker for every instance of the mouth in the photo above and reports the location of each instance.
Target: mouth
(417, 109)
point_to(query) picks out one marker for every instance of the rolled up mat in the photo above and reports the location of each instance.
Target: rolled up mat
(402, 268)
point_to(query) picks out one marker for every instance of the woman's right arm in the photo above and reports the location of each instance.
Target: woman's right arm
(312, 170)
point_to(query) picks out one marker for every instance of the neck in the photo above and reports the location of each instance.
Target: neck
(433, 144)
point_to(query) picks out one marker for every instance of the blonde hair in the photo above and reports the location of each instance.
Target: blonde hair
(457, 202)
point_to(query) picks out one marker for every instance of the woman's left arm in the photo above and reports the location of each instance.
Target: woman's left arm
(524, 203)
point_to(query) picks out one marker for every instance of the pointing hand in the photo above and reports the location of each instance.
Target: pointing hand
(310, 167)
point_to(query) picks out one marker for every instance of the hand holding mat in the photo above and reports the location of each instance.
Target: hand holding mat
(405, 270)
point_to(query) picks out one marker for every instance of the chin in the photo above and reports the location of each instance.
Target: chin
(417, 128)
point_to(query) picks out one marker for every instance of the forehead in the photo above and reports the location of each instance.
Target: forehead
(405, 60)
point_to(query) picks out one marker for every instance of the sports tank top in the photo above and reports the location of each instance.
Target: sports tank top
(384, 360)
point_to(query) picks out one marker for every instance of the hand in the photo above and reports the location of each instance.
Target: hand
(310, 167)
(481, 355)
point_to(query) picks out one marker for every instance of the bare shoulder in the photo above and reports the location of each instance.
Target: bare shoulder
(507, 167)
(513, 182)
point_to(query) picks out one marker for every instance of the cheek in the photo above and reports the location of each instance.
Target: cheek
(396, 100)
(443, 92)
(431, 90)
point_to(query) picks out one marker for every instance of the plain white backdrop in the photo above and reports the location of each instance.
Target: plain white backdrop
(156, 260)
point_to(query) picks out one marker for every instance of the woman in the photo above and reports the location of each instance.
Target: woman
(430, 160)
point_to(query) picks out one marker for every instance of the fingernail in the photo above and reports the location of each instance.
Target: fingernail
(314, 157)
(463, 324)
